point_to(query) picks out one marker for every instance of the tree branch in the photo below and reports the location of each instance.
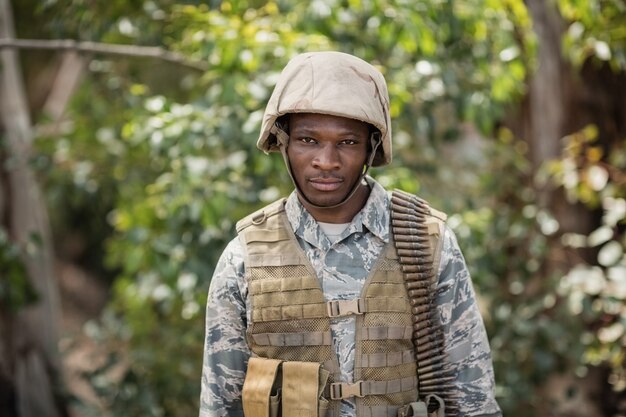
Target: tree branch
(64, 84)
(103, 48)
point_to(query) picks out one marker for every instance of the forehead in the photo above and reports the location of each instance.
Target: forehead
(316, 121)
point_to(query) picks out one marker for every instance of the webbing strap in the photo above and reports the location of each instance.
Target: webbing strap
(387, 304)
(293, 339)
(281, 135)
(266, 235)
(371, 411)
(385, 359)
(290, 312)
(325, 338)
(266, 310)
(383, 333)
(341, 390)
(282, 284)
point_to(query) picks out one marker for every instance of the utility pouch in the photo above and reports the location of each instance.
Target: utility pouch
(303, 383)
(261, 394)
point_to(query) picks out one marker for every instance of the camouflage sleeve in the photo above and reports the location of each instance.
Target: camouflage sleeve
(226, 352)
(466, 340)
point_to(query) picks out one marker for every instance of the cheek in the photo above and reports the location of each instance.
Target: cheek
(292, 154)
(357, 158)
(297, 160)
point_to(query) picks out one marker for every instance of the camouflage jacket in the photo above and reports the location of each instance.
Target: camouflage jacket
(228, 309)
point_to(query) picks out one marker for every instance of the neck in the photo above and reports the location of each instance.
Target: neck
(345, 212)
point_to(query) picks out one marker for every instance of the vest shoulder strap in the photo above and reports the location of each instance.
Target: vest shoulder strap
(435, 222)
(440, 215)
(258, 217)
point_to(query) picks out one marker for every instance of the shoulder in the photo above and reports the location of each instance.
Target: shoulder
(434, 219)
(439, 215)
(436, 222)
(231, 262)
(228, 280)
(407, 199)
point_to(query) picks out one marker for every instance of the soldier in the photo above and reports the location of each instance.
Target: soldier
(312, 309)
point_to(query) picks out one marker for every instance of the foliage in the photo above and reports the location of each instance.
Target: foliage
(596, 28)
(505, 240)
(596, 291)
(162, 161)
(16, 291)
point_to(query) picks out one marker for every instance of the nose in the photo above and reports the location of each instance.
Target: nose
(327, 158)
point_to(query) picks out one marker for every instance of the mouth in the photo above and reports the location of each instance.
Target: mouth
(325, 184)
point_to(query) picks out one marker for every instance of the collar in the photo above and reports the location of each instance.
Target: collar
(374, 216)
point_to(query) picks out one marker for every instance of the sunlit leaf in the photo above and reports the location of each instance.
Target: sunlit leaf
(610, 253)
(600, 236)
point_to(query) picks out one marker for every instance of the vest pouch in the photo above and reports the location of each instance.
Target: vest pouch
(261, 394)
(303, 383)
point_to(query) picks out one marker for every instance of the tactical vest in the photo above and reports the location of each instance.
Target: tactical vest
(290, 319)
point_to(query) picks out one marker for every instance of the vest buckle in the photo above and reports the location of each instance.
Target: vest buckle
(338, 308)
(341, 390)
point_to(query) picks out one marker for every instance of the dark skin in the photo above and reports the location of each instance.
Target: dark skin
(327, 155)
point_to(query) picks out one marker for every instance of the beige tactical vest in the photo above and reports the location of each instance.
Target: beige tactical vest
(291, 320)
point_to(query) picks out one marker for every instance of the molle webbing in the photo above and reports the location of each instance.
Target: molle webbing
(410, 216)
(290, 318)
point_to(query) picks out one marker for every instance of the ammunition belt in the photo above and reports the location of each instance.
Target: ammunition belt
(410, 233)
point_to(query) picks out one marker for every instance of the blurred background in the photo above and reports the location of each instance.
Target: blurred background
(127, 152)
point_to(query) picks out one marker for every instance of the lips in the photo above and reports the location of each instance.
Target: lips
(326, 184)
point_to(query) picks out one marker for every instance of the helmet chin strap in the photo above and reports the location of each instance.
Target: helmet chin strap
(283, 143)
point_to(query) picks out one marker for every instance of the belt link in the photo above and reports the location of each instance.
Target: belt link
(341, 390)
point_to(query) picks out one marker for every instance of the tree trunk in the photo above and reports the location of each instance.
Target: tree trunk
(550, 114)
(544, 124)
(29, 361)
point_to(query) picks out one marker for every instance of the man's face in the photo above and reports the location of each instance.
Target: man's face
(327, 155)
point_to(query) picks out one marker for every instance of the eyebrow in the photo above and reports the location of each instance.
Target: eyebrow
(313, 130)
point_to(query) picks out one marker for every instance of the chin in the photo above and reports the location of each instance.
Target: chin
(325, 201)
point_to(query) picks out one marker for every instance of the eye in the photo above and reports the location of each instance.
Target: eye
(350, 142)
(306, 139)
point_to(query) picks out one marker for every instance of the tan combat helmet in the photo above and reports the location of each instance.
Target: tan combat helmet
(331, 83)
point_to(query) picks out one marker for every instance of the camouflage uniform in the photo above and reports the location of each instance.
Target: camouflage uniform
(228, 309)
